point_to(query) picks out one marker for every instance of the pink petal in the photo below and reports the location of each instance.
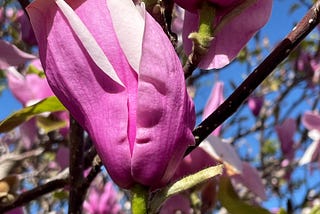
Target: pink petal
(128, 25)
(225, 46)
(197, 160)
(88, 41)
(62, 157)
(96, 101)
(285, 133)
(311, 120)
(194, 5)
(28, 88)
(255, 104)
(214, 101)
(222, 151)
(10, 55)
(176, 203)
(251, 179)
(165, 113)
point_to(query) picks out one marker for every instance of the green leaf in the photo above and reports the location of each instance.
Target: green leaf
(33, 70)
(184, 184)
(61, 195)
(230, 200)
(49, 124)
(282, 211)
(315, 210)
(50, 104)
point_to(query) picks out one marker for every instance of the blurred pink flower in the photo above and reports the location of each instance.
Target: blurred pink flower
(285, 133)
(10, 55)
(309, 66)
(225, 46)
(177, 203)
(102, 202)
(62, 157)
(255, 104)
(251, 179)
(29, 89)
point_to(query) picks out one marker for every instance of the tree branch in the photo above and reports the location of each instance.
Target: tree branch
(76, 196)
(232, 103)
(30, 195)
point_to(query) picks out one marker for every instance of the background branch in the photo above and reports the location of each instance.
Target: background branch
(33, 194)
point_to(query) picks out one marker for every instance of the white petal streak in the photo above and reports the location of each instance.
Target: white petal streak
(129, 24)
(88, 41)
(308, 154)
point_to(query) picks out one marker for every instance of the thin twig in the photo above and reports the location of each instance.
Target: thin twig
(230, 106)
(30, 195)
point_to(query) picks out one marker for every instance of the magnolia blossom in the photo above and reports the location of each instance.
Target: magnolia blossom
(103, 201)
(286, 132)
(233, 36)
(119, 76)
(311, 121)
(29, 89)
(255, 104)
(309, 66)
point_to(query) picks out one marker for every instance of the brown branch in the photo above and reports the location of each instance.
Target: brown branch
(30, 195)
(230, 105)
(76, 196)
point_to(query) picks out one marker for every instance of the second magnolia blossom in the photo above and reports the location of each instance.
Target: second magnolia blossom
(121, 79)
(234, 32)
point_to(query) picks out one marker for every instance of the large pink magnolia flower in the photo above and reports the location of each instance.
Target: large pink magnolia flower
(233, 36)
(121, 79)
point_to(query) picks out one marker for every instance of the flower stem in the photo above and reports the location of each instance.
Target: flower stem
(139, 199)
(201, 39)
